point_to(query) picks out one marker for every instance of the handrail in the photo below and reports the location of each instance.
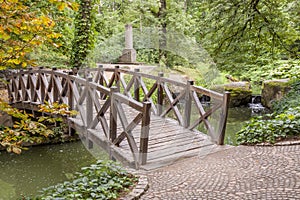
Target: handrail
(106, 90)
(161, 87)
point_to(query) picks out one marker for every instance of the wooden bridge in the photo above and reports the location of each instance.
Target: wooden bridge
(134, 116)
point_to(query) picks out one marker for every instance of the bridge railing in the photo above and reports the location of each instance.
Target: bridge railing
(97, 104)
(169, 97)
(105, 91)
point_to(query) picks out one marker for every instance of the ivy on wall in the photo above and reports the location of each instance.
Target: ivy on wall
(84, 36)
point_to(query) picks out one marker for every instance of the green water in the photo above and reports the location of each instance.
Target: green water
(43, 166)
(237, 117)
(39, 167)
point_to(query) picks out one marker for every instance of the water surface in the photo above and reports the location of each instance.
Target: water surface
(40, 167)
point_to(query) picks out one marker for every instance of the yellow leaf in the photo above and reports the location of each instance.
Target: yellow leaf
(24, 64)
(16, 61)
(61, 6)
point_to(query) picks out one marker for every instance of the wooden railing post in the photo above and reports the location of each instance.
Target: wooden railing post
(223, 118)
(137, 86)
(117, 77)
(42, 85)
(101, 79)
(22, 86)
(113, 115)
(89, 103)
(145, 133)
(70, 91)
(187, 105)
(160, 94)
(55, 89)
(10, 88)
(30, 84)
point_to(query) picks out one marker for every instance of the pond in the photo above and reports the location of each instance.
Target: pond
(237, 117)
(41, 166)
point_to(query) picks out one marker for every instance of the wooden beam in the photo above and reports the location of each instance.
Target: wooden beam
(145, 133)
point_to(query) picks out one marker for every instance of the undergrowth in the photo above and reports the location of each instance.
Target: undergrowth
(103, 180)
(283, 123)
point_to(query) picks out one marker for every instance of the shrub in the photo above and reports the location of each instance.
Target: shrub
(103, 180)
(27, 130)
(292, 99)
(276, 127)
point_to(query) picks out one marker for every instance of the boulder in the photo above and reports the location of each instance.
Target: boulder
(5, 119)
(240, 92)
(274, 90)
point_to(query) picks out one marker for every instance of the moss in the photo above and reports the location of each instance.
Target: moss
(274, 90)
(239, 96)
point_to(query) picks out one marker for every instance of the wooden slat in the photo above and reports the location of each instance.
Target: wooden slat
(128, 129)
(173, 104)
(148, 94)
(130, 102)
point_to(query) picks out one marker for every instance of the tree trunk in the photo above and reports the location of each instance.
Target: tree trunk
(162, 38)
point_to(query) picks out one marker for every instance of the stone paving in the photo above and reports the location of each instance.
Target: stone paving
(242, 172)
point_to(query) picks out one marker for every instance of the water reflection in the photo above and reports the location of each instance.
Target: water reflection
(40, 167)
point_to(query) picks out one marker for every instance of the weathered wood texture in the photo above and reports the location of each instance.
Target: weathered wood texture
(103, 97)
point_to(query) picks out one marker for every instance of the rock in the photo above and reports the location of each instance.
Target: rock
(274, 90)
(240, 92)
(5, 119)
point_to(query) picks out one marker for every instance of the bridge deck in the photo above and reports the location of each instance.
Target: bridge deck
(168, 141)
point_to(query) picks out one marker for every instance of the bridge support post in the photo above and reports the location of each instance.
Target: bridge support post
(145, 133)
(30, 85)
(223, 118)
(42, 84)
(89, 103)
(113, 115)
(117, 77)
(137, 86)
(187, 105)
(55, 89)
(160, 94)
(70, 91)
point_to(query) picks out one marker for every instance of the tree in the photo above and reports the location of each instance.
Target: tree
(84, 37)
(251, 32)
(23, 28)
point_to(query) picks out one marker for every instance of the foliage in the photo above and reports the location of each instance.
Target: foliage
(84, 36)
(103, 180)
(292, 99)
(283, 123)
(23, 28)
(274, 128)
(27, 130)
(48, 57)
(277, 69)
(241, 33)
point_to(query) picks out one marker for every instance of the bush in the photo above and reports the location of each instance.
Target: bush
(292, 99)
(103, 180)
(27, 130)
(283, 123)
(275, 128)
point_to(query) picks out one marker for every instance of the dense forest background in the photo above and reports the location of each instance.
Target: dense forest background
(250, 39)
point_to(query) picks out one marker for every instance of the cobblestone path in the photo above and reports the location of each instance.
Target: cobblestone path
(237, 173)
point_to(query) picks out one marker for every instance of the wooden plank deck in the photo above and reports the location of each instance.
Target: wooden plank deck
(168, 141)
